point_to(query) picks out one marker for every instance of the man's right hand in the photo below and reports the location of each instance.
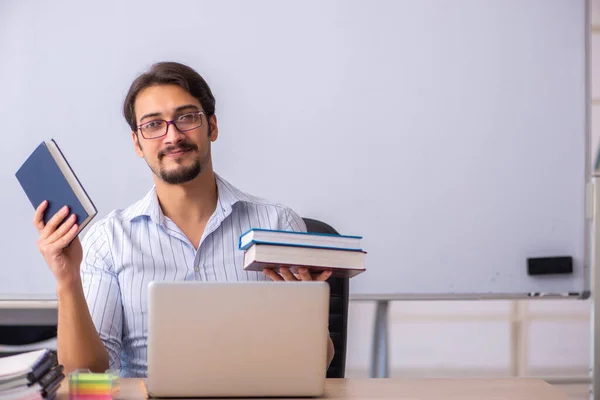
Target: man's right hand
(78, 343)
(63, 259)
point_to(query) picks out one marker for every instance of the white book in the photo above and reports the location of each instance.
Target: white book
(14, 383)
(24, 393)
(342, 263)
(21, 365)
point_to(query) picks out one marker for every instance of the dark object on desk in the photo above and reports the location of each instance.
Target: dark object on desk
(550, 265)
(55, 374)
(338, 308)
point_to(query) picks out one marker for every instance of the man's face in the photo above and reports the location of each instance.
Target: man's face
(177, 157)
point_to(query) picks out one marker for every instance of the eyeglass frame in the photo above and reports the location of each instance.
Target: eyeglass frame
(170, 122)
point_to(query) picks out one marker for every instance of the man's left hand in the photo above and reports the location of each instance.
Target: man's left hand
(303, 275)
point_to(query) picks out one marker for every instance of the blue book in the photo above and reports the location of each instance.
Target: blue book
(299, 239)
(46, 175)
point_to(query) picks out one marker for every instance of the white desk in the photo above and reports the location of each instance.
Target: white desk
(399, 389)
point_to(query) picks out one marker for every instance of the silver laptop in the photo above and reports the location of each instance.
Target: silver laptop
(242, 339)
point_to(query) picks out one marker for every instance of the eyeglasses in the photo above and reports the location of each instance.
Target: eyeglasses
(159, 127)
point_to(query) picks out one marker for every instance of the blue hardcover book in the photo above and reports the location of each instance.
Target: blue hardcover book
(46, 175)
(299, 239)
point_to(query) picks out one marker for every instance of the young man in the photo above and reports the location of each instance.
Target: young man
(185, 228)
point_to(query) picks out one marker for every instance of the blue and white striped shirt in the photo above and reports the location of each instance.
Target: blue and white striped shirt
(129, 248)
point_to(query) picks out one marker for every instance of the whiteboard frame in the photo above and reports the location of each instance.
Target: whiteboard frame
(582, 283)
(591, 272)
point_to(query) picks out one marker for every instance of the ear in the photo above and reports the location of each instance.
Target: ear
(214, 128)
(136, 144)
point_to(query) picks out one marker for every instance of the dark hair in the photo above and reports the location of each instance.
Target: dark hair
(165, 73)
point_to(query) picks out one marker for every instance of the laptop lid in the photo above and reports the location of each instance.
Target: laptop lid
(212, 339)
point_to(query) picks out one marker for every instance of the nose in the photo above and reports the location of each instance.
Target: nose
(173, 134)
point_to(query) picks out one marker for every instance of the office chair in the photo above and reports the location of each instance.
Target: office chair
(338, 308)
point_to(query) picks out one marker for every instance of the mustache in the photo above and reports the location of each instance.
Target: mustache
(183, 146)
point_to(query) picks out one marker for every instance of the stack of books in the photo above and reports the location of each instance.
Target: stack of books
(341, 254)
(31, 375)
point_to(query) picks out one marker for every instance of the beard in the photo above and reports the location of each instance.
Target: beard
(181, 173)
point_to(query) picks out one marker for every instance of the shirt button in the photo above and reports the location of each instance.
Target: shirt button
(197, 269)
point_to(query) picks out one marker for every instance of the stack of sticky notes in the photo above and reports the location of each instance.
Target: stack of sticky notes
(92, 386)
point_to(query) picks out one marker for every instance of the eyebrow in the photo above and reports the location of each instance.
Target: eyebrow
(178, 109)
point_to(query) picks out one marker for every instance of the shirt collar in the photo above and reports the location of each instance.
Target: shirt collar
(227, 196)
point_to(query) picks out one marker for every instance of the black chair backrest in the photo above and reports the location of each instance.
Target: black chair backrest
(338, 308)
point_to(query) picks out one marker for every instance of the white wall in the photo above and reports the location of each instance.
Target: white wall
(549, 337)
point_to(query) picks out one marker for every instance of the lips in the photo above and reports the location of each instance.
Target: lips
(180, 150)
(176, 153)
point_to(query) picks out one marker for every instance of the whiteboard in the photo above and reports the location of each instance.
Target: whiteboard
(451, 135)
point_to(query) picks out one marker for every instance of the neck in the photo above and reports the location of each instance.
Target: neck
(191, 202)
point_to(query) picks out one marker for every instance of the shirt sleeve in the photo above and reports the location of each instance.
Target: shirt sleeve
(293, 222)
(102, 291)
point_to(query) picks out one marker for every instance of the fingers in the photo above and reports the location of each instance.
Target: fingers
(272, 274)
(323, 276)
(287, 274)
(54, 222)
(303, 275)
(66, 239)
(62, 229)
(54, 236)
(38, 216)
(283, 275)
